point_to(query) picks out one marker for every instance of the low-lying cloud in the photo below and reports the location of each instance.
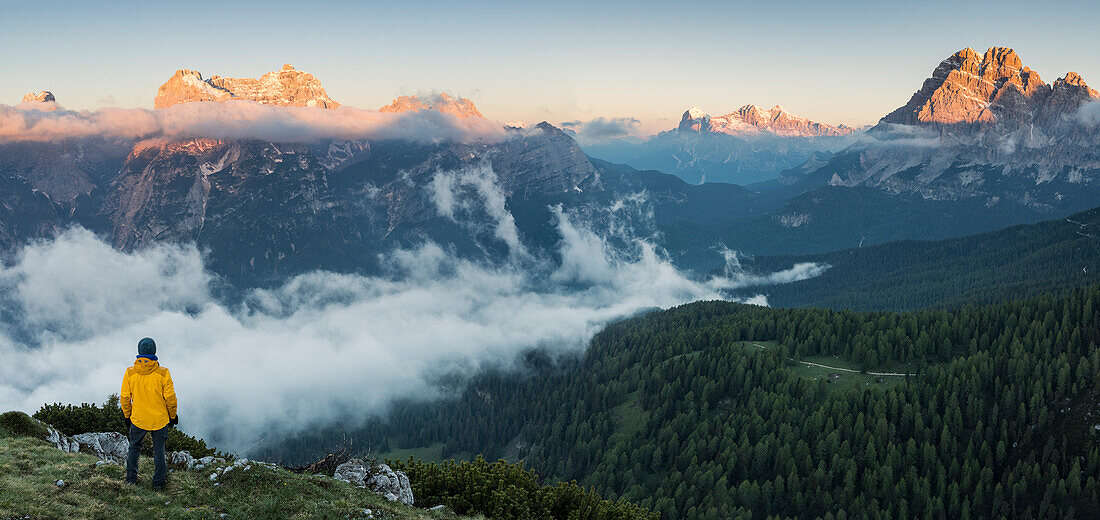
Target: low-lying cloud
(735, 277)
(242, 120)
(603, 129)
(1089, 113)
(905, 136)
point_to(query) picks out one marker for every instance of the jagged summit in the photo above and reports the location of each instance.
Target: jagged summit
(287, 87)
(442, 102)
(750, 119)
(42, 97)
(971, 88)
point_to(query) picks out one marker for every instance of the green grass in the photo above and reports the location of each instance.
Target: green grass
(846, 380)
(429, 453)
(630, 416)
(752, 346)
(835, 362)
(29, 468)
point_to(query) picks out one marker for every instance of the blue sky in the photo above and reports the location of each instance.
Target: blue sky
(839, 62)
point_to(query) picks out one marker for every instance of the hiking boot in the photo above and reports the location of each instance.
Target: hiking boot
(130, 482)
(158, 486)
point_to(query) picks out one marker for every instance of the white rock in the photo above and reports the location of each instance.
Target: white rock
(353, 472)
(61, 441)
(393, 485)
(109, 446)
(60, 483)
(182, 458)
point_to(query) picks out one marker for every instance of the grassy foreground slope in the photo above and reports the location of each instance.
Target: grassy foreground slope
(30, 468)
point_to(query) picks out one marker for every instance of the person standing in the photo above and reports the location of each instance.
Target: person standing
(148, 400)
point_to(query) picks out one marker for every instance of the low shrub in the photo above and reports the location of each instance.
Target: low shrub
(505, 491)
(89, 417)
(21, 425)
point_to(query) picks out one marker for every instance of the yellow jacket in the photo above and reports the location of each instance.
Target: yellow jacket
(148, 397)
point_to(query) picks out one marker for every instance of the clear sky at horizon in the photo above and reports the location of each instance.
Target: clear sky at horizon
(845, 61)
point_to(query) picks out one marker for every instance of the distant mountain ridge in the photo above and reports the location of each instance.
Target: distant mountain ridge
(751, 120)
(746, 146)
(286, 87)
(441, 102)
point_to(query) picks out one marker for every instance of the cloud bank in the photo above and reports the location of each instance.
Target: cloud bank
(323, 347)
(242, 120)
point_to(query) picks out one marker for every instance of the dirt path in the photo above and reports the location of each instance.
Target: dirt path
(895, 374)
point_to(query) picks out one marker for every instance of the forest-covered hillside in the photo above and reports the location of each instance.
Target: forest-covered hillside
(717, 410)
(1026, 260)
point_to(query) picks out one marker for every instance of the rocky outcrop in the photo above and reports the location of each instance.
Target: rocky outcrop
(285, 87)
(462, 108)
(108, 446)
(751, 120)
(61, 441)
(112, 447)
(393, 485)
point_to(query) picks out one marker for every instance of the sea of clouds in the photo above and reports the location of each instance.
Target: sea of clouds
(314, 350)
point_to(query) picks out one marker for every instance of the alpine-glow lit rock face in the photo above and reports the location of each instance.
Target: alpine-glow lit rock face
(752, 120)
(286, 87)
(42, 97)
(970, 88)
(985, 127)
(442, 102)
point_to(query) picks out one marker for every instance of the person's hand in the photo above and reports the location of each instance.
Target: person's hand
(174, 421)
(127, 423)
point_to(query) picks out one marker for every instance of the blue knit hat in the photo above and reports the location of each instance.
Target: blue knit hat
(147, 347)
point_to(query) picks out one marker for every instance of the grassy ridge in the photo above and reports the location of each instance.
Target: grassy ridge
(30, 467)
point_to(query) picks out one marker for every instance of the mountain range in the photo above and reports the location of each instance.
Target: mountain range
(983, 144)
(746, 146)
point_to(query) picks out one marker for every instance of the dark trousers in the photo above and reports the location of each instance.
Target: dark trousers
(160, 473)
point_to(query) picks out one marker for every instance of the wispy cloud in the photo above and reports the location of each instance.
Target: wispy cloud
(1089, 113)
(603, 129)
(905, 136)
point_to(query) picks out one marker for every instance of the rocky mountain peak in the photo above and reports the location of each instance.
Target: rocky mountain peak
(442, 102)
(752, 120)
(1071, 80)
(42, 97)
(694, 113)
(286, 87)
(967, 88)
